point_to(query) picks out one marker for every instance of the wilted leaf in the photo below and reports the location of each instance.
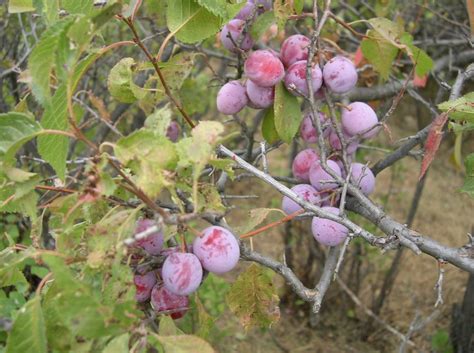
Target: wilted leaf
(255, 217)
(120, 82)
(150, 157)
(253, 299)
(433, 141)
(287, 113)
(159, 120)
(206, 322)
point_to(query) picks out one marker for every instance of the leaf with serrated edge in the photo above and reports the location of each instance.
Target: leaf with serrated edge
(253, 299)
(191, 22)
(28, 334)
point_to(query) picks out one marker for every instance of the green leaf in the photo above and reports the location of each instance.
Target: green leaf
(120, 82)
(468, 186)
(221, 8)
(54, 148)
(43, 58)
(387, 29)
(150, 157)
(118, 344)
(253, 299)
(283, 10)
(379, 52)
(84, 7)
(469, 163)
(168, 327)
(184, 344)
(206, 322)
(287, 113)
(262, 23)
(268, 127)
(423, 63)
(19, 6)
(193, 97)
(440, 342)
(15, 130)
(191, 22)
(28, 334)
(298, 6)
(11, 264)
(460, 109)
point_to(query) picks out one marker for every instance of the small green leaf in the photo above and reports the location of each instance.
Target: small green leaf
(54, 148)
(298, 6)
(268, 127)
(120, 82)
(43, 59)
(253, 299)
(84, 7)
(387, 29)
(118, 344)
(379, 52)
(15, 130)
(19, 6)
(461, 108)
(261, 24)
(287, 113)
(191, 22)
(184, 344)
(150, 157)
(168, 327)
(423, 63)
(28, 334)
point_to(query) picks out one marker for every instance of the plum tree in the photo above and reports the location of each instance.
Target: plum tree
(362, 176)
(153, 243)
(340, 74)
(143, 285)
(294, 48)
(303, 162)
(320, 179)
(234, 36)
(328, 232)
(182, 273)
(232, 98)
(217, 249)
(296, 78)
(264, 68)
(359, 118)
(165, 302)
(260, 97)
(306, 192)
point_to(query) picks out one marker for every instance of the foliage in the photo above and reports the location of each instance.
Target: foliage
(85, 151)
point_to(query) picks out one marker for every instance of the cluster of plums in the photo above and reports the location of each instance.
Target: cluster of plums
(319, 187)
(263, 69)
(167, 288)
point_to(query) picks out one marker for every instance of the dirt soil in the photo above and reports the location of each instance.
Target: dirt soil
(444, 214)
